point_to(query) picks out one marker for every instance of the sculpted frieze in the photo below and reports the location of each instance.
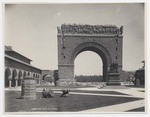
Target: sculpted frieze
(89, 29)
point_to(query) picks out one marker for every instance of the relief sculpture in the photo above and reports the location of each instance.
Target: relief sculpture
(90, 29)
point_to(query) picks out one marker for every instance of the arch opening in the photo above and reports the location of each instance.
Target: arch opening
(7, 74)
(28, 73)
(34, 75)
(88, 67)
(97, 48)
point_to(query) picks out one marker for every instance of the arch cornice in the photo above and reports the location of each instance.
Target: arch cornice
(89, 35)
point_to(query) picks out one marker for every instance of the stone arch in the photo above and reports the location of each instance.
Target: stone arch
(92, 46)
(96, 38)
(14, 77)
(34, 75)
(7, 76)
(97, 48)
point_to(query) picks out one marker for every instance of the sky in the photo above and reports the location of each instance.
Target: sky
(32, 31)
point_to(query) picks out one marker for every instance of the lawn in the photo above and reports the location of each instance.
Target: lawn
(72, 103)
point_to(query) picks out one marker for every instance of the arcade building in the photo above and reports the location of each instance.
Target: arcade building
(17, 67)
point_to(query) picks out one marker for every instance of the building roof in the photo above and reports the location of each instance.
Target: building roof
(10, 50)
(17, 60)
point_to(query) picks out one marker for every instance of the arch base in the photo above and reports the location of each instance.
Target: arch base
(65, 82)
(113, 79)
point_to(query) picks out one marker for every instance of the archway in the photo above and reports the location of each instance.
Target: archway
(105, 40)
(7, 74)
(88, 67)
(28, 73)
(34, 75)
(97, 48)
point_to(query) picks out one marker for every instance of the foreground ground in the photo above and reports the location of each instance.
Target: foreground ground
(89, 99)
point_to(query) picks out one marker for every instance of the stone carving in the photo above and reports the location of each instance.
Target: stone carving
(113, 68)
(89, 29)
(121, 30)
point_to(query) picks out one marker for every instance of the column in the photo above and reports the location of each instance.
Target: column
(105, 73)
(21, 78)
(16, 82)
(39, 78)
(9, 83)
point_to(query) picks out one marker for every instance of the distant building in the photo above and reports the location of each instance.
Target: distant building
(17, 67)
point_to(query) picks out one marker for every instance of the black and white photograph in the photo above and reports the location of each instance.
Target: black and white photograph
(74, 58)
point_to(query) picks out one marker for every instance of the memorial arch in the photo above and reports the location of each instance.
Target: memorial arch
(105, 40)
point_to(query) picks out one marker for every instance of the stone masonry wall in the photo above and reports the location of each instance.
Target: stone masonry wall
(112, 44)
